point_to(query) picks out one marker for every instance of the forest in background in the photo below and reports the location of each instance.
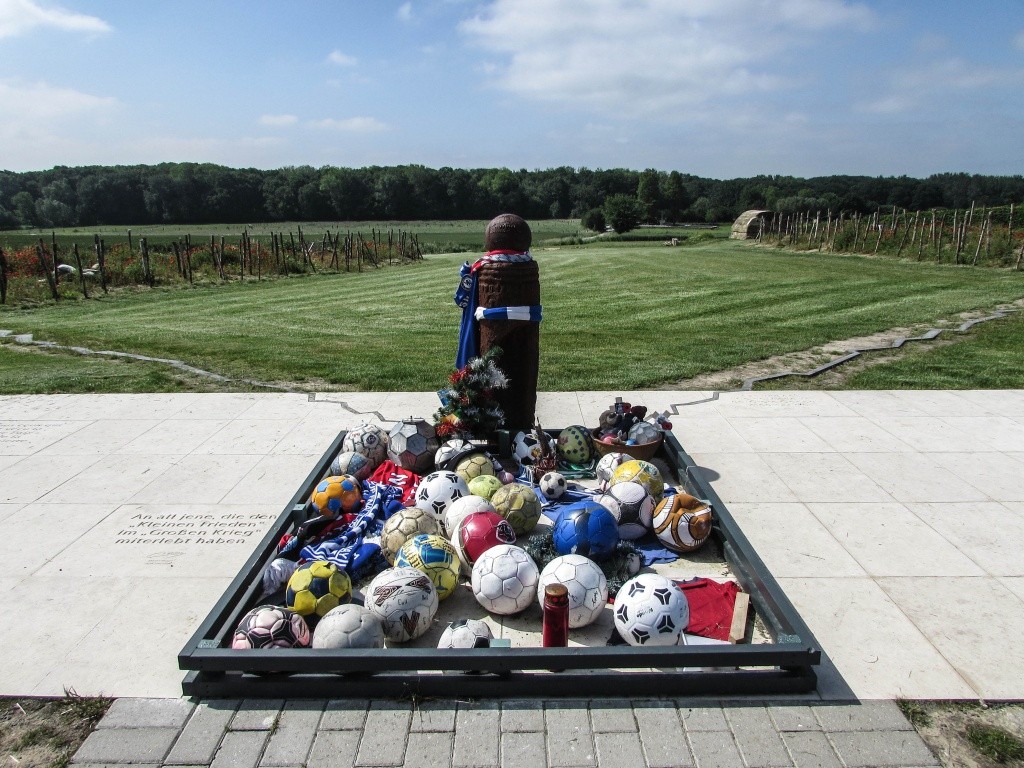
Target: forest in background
(203, 193)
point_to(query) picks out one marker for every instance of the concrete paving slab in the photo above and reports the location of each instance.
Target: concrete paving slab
(742, 477)
(878, 651)
(60, 524)
(110, 478)
(708, 434)
(32, 477)
(986, 532)
(101, 437)
(777, 435)
(961, 616)
(173, 437)
(853, 434)
(995, 473)
(876, 536)
(824, 477)
(793, 542)
(20, 436)
(910, 477)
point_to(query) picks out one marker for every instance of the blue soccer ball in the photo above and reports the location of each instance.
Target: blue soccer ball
(586, 528)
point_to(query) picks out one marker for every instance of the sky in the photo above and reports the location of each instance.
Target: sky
(716, 88)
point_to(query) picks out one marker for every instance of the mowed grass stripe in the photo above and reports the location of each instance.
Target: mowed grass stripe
(614, 317)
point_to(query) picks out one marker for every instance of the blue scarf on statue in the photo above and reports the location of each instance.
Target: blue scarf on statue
(465, 297)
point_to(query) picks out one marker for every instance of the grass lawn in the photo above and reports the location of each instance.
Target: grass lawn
(990, 356)
(616, 316)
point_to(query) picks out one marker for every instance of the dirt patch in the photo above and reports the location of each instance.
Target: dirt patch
(46, 732)
(809, 359)
(945, 728)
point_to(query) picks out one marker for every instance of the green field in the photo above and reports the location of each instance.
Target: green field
(616, 316)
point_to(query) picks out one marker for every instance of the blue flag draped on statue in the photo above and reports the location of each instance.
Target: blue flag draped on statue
(465, 297)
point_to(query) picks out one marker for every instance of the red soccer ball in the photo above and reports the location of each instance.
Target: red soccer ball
(480, 531)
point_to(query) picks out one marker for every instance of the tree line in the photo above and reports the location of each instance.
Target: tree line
(203, 193)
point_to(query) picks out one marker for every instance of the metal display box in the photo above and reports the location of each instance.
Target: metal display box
(786, 665)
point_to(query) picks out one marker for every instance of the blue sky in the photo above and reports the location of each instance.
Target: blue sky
(719, 88)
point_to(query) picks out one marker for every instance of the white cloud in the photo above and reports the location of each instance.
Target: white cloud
(278, 121)
(930, 84)
(20, 16)
(622, 57)
(404, 12)
(26, 103)
(351, 124)
(341, 59)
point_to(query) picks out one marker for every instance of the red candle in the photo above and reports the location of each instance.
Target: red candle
(555, 631)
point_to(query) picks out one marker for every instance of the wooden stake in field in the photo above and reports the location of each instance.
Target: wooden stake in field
(40, 254)
(1009, 233)
(938, 244)
(147, 272)
(56, 262)
(97, 245)
(81, 274)
(3, 277)
(220, 259)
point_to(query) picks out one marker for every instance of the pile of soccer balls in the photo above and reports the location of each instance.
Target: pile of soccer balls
(465, 520)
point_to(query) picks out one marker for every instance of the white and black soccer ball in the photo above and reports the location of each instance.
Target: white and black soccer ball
(466, 633)
(611, 504)
(587, 585)
(643, 432)
(451, 449)
(369, 440)
(351, 463)
(460, 509)
(505, 579)
(349, 626)
(606, 468)
(526, 448)
(651, 609)
(438, 490)
(405, 601)
(636, 508)
(553, 485)
(412, 444)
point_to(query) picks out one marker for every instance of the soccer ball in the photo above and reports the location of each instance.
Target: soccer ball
(317, 587)
(518, 504)
(643, 472)
(402, 526)
(643, 432)
(526, 448)
(587, 585)
(606, 466)
(271, 626)
(505, 580)
(460, 508)
(336, 494)
(484, 486)
(436, 557)
(369, 440)
(351, 463)
(651, 610)
(552, 485)
(636, 508)
(405, 601)
(574, 445)
(412, 444)
(466, 633)
(585, 528)
(682, 522)
(474, 465)
(610, 503)
(438, 490)
(450, 450)
(477, 533)
(349, 626)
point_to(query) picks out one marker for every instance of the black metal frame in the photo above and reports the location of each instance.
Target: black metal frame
(784, 666)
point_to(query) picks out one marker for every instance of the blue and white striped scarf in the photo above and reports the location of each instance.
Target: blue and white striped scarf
(465, 297)
(379, 502)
